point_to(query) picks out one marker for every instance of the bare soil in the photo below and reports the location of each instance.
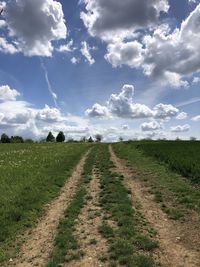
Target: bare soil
(173, 251)
(38, 242)
(90, 218)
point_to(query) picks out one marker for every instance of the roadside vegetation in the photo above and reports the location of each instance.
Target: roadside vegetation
(31, 175)
(176, 195)
(129, 244)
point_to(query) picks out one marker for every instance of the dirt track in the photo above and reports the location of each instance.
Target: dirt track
(86, 231)
(172, 252)
(38, 243)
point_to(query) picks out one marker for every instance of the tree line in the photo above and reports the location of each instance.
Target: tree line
(50, 139)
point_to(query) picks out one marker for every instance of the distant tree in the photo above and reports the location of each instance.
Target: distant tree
(98, 138)
(60, 137)
(192, 138)
(90, 140)
(16, 139)
(29, 140)
(5, 138)
(121, 139)
(50, 137)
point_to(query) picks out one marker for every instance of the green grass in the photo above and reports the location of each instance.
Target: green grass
(182, 157)
(30, 175)
(175, 194)
(66, 246)
(128, 246)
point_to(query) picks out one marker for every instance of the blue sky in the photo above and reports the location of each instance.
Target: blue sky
(88, 67)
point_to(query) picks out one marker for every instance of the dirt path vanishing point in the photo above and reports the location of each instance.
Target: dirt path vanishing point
(172, 252)
(39, 242)
(90, 218)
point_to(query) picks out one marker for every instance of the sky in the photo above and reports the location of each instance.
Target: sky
(127, 69)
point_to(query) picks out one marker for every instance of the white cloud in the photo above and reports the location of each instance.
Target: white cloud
(113, 19)
(182, 116)
(196, 80)
(67, 47)
(196, 118)
(74, 60)
(49, 115)
(121, 53)
(151, 126)
(122, 105)
(7, 48)
(8, 94)
(168, 55)
(35, 24)
(85, 51)
(162, 111)
(180, 128)
(97, 111)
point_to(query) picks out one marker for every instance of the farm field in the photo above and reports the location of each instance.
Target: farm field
(182, 157)
(95, 205)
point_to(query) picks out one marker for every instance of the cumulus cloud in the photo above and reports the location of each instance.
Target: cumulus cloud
(85, 51)
(121, 53)
(8, 94)
(69, 47)
(170, 55)
(21, 118)
(151, 126)
(34, 25)
(196, 118)
(114, 18)
(180, 128)
(182, 116)
(7, 48)
(122, 105)
(97, 111)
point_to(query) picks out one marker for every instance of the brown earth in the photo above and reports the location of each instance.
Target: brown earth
(173, 252)
(38, 242)
(90, 240)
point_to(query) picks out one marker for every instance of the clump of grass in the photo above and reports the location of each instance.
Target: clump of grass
(125, 243)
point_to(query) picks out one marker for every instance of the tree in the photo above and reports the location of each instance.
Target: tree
(5, 138)
(98, 138)
(60, 137)
(121, 139)
(90, 140)
(50, 137)
(16, 139)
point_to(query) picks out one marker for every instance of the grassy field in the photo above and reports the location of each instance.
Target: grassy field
(182, 157)
(31, 175)
(175, 194)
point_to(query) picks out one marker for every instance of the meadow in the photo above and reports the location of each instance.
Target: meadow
(30, 176)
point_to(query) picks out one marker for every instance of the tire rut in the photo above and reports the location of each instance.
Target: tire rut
(90, 240)
(172, 252)
(38, 242)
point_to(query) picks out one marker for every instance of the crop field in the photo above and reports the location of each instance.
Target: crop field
(181, 156)
(81, 204)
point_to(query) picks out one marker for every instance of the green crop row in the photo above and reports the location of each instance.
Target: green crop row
(182, 157)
